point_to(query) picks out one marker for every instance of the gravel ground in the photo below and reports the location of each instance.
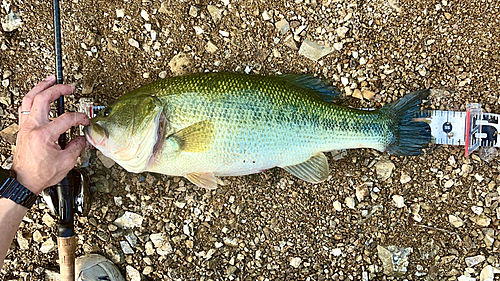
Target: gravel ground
(377, 217)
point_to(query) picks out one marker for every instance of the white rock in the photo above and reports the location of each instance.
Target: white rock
(399, 200)
(215, 13)
(338, 46)
(144, 15)
(224, 33)
(488, 273)
(477, 210)
(455, 221)
(295, 262)
(210, 47)
(405, 178)
(282, 26)
(162, 246)
(132, 274)
(384, 169)
(266, 16)
(48, 220)
(193, 11)
(120, 13)
(126, 248)
(341, 31)
(149, 248)
(349, 201)
(133, 42)
(448, 183)
(337, 252)
(129, 220)
(344, 80)
(48, 246)
(24, 243)
(313, 50)
(466, 278)
(218, 245)
(362, 192)
(481, 220)
(11, 22)
(233, 242)
(475, 260)
(337, 206)
(362, 61)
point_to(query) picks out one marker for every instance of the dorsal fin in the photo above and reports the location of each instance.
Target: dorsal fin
(316, 86)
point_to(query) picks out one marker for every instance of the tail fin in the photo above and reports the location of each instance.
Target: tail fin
(407, 137)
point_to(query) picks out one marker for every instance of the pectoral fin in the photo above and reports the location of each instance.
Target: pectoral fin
(205, 180)
(314, 170)
(195, 138)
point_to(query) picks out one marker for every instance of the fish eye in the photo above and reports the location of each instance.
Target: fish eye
(107, 112)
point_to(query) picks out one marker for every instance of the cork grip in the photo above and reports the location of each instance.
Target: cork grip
(67, 246)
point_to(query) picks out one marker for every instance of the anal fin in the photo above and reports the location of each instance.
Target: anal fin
(205, 180)
(314, 170)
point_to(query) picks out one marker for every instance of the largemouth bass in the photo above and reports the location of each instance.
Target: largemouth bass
(203, 126)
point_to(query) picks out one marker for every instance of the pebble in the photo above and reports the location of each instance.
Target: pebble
(37, 236)
(133, 42)
(488, 154)
(465, 278)
(129, 220)
(384, 169)
(447, 16)
(149, 248)
(399, 200)
(449, 183)
(163, 247)
(126, 248)
(349, 201)
(362, 61)
(193, 11)
(266, 16)
(313, 50)
(337, 252)
(215, 13)
(180, 64)
(282, 26)
(5, 83)
(475, 260)
(24, 243)
(368, 95)
(48, 246)
(103, 236)
(9, 134)
(133, 274)
(144, 15)
(394, 259)
(224, 33)
(362, 192)
(338, 46)
(210, 47)
(48, 220)
(232, 242)
(337, 206)
(162, 74)
(405, 178)
(488, 273)
(341, 31)
(11, 22)
(477, 210)
(344, 80)
(481, 220)
(106, 161)
(455, 221)
(357, 94)
(198, 30)
(120, 13)
(131, 238)
(295, 262)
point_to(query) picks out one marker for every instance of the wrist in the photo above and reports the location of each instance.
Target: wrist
(26, 182)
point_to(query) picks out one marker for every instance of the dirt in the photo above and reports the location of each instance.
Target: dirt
(273, 218)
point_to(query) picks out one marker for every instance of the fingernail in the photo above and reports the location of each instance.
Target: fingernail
(50, 78)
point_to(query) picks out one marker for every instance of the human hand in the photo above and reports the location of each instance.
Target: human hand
(39, 161)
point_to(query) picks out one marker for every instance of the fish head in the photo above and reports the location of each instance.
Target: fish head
(128, 130)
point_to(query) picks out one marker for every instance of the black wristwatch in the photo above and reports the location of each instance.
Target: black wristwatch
(10, 188)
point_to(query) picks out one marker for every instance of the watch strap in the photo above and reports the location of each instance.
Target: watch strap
(13, 190)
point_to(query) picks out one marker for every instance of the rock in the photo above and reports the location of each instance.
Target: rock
(349, 201)
(114, 254)
(475, 260)
(149, 248)
(447, 16)
(478, 210)
(48, 220)
(9, 134)
(448, 183)
(295, 262)
(313, 50)
(131, 238)
(337, 206)
(37, 236)
(362, 61)
(11, 22)
(129, 220)
(215, 13)
(266, 16)
(337, 252)
(384, 169)
(481, 220)
(344, 80)
(48, 246)
(405, 178)
(193, 11)
(489, 236)
(394, 259)
(163, 247)
(488, 273)
(133, 274)
(180, 64)
(50, 275)
(133, 42)
(106, 161)
(291, 43)
(465, 278)
(126, 248)
(399, 200)
(455, 221)
(103, 184)
(233, 242)
(338, 46)
(24, 243)
(147, 270)
(341, 31)
(362, 192)
(5, 83)
(357, 94)
(120, 13)
(282, 26)
(338, 154)
(488, 153)
(103, 236)
(368, 95)
(210, 47)
(162, 74)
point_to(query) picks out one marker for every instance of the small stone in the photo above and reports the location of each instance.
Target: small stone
(210, 47)
(106, 161)
(127, 250)
(477, 210)
(337, 252)
(399, 200)
(218, 245)
(338, 46)
(488, 273)
(295, 262)
(5, 83)
(405, 178)
(198, 30)
(394, 259)
(48, 246)
(133, 43)
(357, 94)
(50, 275)
(129, 220)
(447, 16)
(9, 134)
(162, 74)
(133, 274)
(337, 206)
(341, 31)
(349, 201)
(144, 15)
(282, 26)
(131, 238)
(233, 242)
(48, 220)
(481, 220)
(344, 80)
(448, 183)
(37, 236)
(488, 154)
(422, 71)
(291, 43)
(455, 221)
(266, 16)
(362, 61)
(120, 13)
(384, 169)
(180, 64)
(11, 22)
(313, 50)
(466, 278)
(24, 243)
(149, 248)
(362, 192)
(475, 260)
(163, 247)
(193, 11)
(368, 95)
(215, 13)
(103, 236)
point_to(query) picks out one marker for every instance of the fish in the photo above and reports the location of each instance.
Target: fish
(209, 125)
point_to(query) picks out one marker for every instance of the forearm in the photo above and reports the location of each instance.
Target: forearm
(11, 215)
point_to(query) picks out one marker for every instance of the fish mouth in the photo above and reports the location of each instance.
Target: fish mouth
(100, 131)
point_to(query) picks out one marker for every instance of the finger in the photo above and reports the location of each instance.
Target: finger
(28, 98)
(73, 150)
(64, 122)
(41, 102)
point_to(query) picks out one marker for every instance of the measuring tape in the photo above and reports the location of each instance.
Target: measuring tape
(471, 129)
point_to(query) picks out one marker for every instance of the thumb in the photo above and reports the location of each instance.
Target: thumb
(74, 148)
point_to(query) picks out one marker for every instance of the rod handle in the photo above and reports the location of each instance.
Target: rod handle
(67, 247)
